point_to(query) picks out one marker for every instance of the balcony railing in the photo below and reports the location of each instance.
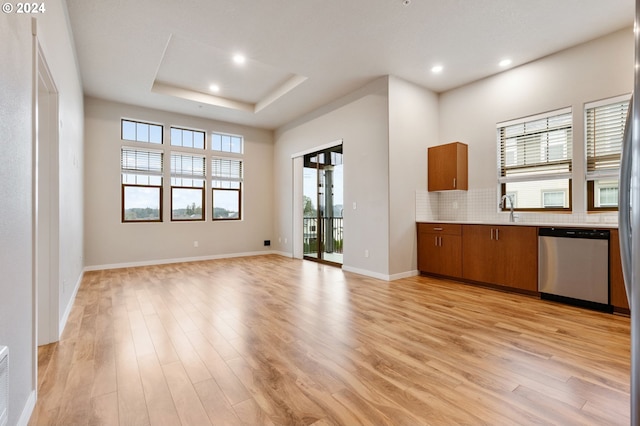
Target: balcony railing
(331, 230)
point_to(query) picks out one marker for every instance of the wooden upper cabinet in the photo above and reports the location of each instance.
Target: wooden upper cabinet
(448, 167)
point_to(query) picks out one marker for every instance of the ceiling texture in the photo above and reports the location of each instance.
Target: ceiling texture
(303, 54)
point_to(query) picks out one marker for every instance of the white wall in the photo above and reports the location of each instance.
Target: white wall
(595, 70)
(413, 126)
(16, 178)
(15, 215)
(361, 121)
(109, 242)
(55, 38)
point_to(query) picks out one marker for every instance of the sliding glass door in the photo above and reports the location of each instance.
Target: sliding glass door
(323, 205)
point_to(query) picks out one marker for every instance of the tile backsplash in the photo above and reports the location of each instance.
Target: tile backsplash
(482, 205)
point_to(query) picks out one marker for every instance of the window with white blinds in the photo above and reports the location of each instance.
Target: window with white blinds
(226, 185)
(141, 172)
(187, 170)
(188, 176)
(536, 158)
(604, 130)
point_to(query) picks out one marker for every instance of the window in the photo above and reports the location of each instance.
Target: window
(605, 122)
(187, 138)
(141, 172)
(226, 143)
(187, 187)
(226, 184)
(536, 159)
(141, 132)
(553, 199)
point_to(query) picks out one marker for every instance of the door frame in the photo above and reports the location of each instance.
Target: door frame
(297, 161)
(46, 201)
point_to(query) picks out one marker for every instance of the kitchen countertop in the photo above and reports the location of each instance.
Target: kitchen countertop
(591, 225)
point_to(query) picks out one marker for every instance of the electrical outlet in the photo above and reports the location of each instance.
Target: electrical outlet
(267, 243)
(366, 253)
(195, 244)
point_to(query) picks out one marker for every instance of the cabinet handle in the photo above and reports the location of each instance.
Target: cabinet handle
(454, 182)
(440, 238)
(437, 229)
(497, 234)
(435, 241)
(492, 233)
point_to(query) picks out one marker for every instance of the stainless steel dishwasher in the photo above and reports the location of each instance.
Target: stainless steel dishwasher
(573, 266)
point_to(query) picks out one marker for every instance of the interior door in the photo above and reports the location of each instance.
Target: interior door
(323, 205)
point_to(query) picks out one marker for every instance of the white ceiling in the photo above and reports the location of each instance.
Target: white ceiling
(302, 54)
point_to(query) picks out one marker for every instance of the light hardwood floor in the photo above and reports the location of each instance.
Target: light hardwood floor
(275, 341)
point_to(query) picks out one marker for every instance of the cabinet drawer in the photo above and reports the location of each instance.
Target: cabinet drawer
(440, 228)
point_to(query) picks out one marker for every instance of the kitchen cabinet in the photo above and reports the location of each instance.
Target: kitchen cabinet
(618, 294)
(447, 167)
(440, 249)
(501, 255)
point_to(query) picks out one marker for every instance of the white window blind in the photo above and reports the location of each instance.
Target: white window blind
(139, 161)
(536, 148)
(187, 166)
(226, 169)
(604, 133)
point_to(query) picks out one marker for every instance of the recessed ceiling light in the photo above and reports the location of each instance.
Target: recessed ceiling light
(214, 88)
(437, 69)
(505, 62)
(239, 59)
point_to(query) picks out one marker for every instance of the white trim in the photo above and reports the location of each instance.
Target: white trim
(318, 148)
(566, 110)
(366, 273)
(402, 275)
(607, 101)
(380, 276)
(178, 260)
(65, 316)
(27, 411)
(535, 177)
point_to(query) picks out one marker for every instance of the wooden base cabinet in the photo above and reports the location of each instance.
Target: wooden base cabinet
(502, 255)
(439, 249)
(618, 294)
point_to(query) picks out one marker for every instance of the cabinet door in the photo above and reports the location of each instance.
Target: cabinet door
(439, 249)
(447, 167)
(618, 295)
(517, 256)
(480, 260)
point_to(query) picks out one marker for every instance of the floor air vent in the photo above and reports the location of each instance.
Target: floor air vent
(4, 385)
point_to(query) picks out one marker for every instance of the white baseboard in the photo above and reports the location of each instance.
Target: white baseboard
(179, 260)
(401, 275)
(378, 275)
(67, 310)
(27, 411)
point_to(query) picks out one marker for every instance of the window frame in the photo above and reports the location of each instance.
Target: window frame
(147, 123)
(606, 173)
(193, 176)
(122, 199)
(202, 203)
(148, 172)
(239, 179)
(506, 150)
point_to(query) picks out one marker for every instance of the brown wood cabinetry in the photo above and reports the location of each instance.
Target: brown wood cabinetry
(502, 255)
(447, 167)
(618, 294)
(440, 249)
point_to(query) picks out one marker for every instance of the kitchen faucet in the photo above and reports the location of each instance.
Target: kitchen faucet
(502, 205)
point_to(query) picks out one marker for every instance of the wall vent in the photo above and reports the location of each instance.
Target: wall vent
(4, 385)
